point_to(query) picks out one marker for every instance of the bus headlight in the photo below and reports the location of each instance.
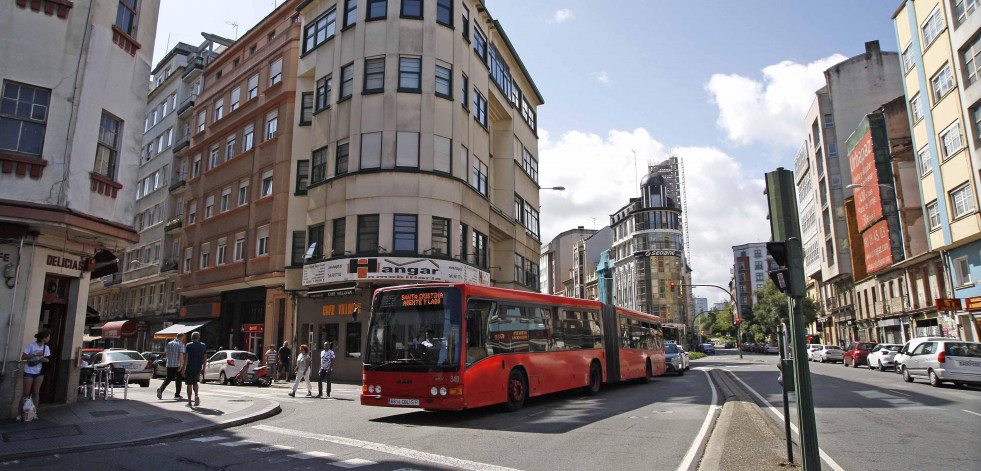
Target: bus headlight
(433, 391)
(442, 391)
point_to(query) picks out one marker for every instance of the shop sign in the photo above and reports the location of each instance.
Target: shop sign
(71, 263)
(973, 304)
(393, 269)
(345, 309)
(948, 304)
(657, 253)
(252, 327)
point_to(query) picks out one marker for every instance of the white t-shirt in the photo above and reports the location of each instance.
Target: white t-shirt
(302, 362)
(35, 349)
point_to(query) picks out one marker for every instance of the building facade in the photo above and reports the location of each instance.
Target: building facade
(415, 159)
(750, 268)
(557, 259)
(586, 254)
(71, 117)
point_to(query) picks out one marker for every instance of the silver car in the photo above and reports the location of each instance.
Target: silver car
(911, 344)
(832, 353)
(676, 358)
(945, 361)
(138, 368)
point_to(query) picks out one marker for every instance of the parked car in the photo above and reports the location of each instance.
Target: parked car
(225, 364)
(88, 353)
(883, 356)
(730, 345)
(830, 353)
(856, 353)
(911, 344)
(708, 348)
(946, 360)
(138, 368)
(160, 366)
(771, 348)
(676, 358)
(811, 348)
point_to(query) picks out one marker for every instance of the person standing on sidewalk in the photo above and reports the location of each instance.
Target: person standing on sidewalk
(326, 367)
(175, 366)
(34, 356)
(193, 364)
(285, 355)
(302, 370)
(272, 360)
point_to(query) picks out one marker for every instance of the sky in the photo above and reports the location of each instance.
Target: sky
(724, 86)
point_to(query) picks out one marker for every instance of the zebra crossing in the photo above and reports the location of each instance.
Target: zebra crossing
(256, 447)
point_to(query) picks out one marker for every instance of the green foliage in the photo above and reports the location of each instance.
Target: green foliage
(770, 310)
(696, 355)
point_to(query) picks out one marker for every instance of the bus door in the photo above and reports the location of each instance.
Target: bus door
(612, 343)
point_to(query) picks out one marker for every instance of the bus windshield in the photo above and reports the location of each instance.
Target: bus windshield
(415, 330)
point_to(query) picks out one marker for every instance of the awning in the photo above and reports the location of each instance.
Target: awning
(119, 330)
(179, 328)
(90, 338)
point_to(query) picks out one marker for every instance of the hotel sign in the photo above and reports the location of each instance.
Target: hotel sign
(405, 269)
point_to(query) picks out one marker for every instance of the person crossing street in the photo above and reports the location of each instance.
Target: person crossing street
(175, 366)
(302, 370)
(326, 367)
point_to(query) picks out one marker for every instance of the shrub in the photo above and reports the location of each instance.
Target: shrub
(696, 355)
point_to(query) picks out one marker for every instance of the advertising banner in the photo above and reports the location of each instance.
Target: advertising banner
(868, 203)
(404, 269)
(973, 304)
(878, 248)
(948, 304)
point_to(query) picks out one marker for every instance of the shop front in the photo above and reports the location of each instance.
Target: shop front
(121, 334)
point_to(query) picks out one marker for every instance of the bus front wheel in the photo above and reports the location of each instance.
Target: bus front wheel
(517, 391)
(595, 380)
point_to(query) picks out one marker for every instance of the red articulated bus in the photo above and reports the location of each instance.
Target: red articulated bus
(459, 346)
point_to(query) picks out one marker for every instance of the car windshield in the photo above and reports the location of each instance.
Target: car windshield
(415, 330)
(244, 356)
(832, 347)
(670, 348)
(123, 356)
(865, 347)
(963, 349)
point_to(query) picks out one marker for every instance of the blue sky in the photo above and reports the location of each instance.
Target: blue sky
(722, 84)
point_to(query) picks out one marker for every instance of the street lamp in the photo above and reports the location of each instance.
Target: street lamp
(556, 188)
(884, 185)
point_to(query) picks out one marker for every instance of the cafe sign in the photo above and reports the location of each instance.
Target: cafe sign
(973, 304)
(944, 304)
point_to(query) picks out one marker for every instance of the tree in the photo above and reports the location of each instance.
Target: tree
(771, 309)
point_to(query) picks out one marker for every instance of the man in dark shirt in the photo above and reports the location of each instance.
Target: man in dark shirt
(195, 352)
(285, 355)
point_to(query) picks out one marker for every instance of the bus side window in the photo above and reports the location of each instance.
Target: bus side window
(572, 330)
(556, 335)
(478, 313)
(592, 330)
(537, 332)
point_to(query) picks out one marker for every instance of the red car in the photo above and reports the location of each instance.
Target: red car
(856, 353)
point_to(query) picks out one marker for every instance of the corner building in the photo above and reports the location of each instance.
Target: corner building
(415, 160)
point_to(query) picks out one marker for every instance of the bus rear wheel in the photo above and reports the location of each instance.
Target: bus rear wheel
(648, 373)
(517, 389)
(595, 380)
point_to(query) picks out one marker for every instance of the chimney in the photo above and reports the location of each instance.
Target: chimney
(872, 47)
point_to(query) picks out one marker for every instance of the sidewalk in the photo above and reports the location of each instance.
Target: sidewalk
(142, 418)
(744, 437)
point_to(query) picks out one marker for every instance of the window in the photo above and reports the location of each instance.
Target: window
(350, 12)
(319, 169)
(480, 44)
(243, 192)
(192, 212)
(267, 184)
(442, 154)
(126, 16)
(963, 9)
(465, 19)
(253, 86)
(529, 164)
(404, 232)
(323, 93)
(932, 27)
(236, 95)
(262, 241)
(950, 140)
(479, 108)
(519, 209)
(374, 75)
(933, 215)
(829, 121)
(299, 249)
(225, 203)
(463, 93)
(272, 122)
(759, 276)
(444, 12)
(377, 9)
(531, 219)
(441, 236)
(499, 71)
(276, 72)
(302, 176)
(220, 254)
(188, 256)
(316, 241)
(106, 152)
(306, 108)
(962, 271)
(412, 9)
(343, 150)
(371, 150)
(479, 179)
(230, 148)
(916, 108)
(337, 236)
(479, 249)
(23, 118)
(926, 160)
(238, 253)
(444, 82)
(347, 82)
(247, 137)
(352, 344)
(213, 157)
(205, 255)
(832, 149)
(407, 149)
(463, 243)
(908, 58)
(209, 206)
(202, 120)
(319, 30)
(219, 109)
(528, 113)
(942, 82)
(367, 233)
(962, 201)
(410, 69)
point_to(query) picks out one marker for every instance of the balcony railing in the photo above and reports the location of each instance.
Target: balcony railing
(182, 142)
(187, 104)
(110, 280)
(196, 64)
(169, 265)
(173, 224)
(179, 182)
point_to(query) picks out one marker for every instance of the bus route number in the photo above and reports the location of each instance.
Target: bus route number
(422, 299)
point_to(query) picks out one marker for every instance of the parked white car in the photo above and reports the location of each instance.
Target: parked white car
(904, 352)
(138, 368)
(832, 353)
(811, 348)
(942, 361)
(882, 356)
(225, 364)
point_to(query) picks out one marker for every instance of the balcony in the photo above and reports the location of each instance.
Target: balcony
(169, 265)
(187, 104)
(182, 142)
(179, 182)
(110, 280)
(197, 64)
(173, 224)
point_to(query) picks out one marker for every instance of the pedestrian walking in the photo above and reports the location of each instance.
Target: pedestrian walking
(285, 355)
(272, 361)
(326, 368)
(35, 355)
(302, 370)
(175, 367)
(193, 363)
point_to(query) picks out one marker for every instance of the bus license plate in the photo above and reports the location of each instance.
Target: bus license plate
(403, 402)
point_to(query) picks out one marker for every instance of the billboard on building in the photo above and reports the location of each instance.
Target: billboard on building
(402, 269)
(878, 250)
(868, 198)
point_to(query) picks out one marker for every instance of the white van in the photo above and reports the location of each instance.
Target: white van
(904, 353)
(949, 360)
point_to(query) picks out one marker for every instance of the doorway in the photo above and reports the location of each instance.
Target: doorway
(54, 307)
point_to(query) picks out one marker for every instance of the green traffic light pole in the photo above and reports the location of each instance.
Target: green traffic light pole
(731, 307)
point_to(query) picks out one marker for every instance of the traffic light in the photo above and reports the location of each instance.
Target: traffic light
(786, 249)
(672, 286)
(780, 275)
(738, 320)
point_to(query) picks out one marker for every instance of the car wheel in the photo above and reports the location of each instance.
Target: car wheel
(145, 383)
(222, 379)
(935, 380)
(517, 391)
(881, 368)
(906, 376)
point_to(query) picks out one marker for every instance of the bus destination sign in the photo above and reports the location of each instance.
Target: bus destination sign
(434, 298)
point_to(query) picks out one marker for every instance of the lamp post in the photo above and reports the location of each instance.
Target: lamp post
(732, 306)
(556, 188)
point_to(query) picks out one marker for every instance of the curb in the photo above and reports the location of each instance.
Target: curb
(269, 411)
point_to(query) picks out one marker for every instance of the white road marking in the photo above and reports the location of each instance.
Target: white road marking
(267, 449)
(690, 456)
(353, 463)
(239, 443)
(389, 449)
(970, 412)
(208, 439)
(824, 456)
(306, 455)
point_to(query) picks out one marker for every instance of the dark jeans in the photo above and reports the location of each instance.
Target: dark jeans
(324, 378)
(285, 365)
(173, 375)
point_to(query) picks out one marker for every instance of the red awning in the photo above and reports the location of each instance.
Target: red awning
(119, 330)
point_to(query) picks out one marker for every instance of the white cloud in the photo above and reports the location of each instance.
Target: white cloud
(601, 77)
(598, 173)
(563, 15)
(770, 111)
